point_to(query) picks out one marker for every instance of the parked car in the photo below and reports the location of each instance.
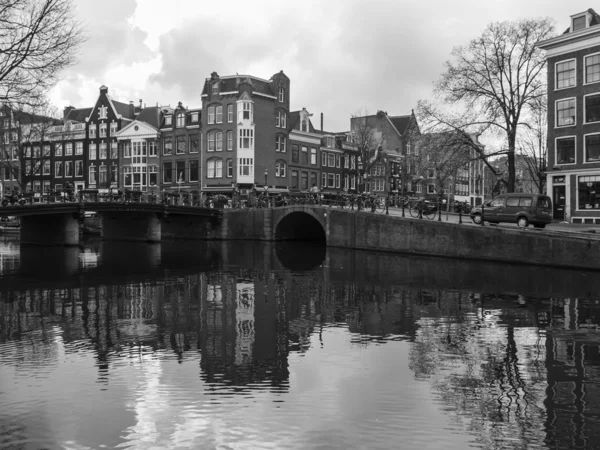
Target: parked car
(522, 209)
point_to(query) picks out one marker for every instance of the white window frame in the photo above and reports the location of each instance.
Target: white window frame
(556, 150)
(180, 120)
(229, 140)
(281, 94)
(211, 115)
(337, 180)
(230, 113)
(92, 152)
(243, 163)
(280, 169)
(585, 161)
(113, 128)
(103, 130)
(246, 134)
(79, 148)
(219, 114)
(46, 168)
(556, 88)
(556, 125)
(323, 180)
(229, 168)
(597, 94)
(585, 81)
(313, 156)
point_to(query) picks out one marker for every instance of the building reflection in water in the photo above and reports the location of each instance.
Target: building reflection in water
(521, 368)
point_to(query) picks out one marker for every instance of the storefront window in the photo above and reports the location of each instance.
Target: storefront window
(589, 192)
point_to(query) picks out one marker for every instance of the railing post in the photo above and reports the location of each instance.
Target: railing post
(387, 203)
(439, 210)
(402, 200)
(460, 214)
(482, 214)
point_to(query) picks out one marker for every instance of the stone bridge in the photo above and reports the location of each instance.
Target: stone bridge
(62, 223)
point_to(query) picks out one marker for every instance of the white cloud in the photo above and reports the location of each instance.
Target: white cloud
(341, 55)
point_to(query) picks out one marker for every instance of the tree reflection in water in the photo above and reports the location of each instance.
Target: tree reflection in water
(511, 370)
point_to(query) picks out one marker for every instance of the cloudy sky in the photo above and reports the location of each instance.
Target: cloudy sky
(342, 56)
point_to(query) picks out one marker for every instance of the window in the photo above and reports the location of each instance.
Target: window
(167, 145)
(79, 148)
(180, 145)
(46, 186)
(79, 168)
(36, 152)
(103, 112)
(592, 68)
(338, 163)
(304, 125)
(295, 157)
(92, 174)
(103, 154)
(588, 188)
(313, 156)
(103, 130)
(280, 142)
(138, 155)
(230, 168)
(114, 150)
(68, 168)
(565, 74)
(565, 112)
(127, 150)
(592, 148)
(323, 180)
(152, 148)
(127, 178)
(324, 159)
(219, 114)
(280, 119)
(245, 113)
(214, 168)
(592, 108)
(431, 188)
(58, 187)
(430, 173)
(353, 182)
(313, 178)
(246, 166)
(180, 167)
(337, 180)
(58, 169)
(346, 183)
(246, 138)
(168, 120)
(211, 114)
(68, 149)
(280, 169)
(304, 181)
(92, 151)
(46, 169)
(194, 117)
(167, 172)
(294, 179)
(565, 150)
(92, 131)
(113, 128)
(102, 175)
(194, 143)
(219, 141)
(579, 23)
(194, 172)
(281, 94)
(352, 163)
(153, 175)
(180, 120)
(215, 88)
(331, 159)
(230, 141)
(331, 180)
(346, 159)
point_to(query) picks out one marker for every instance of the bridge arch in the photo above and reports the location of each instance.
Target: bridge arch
(300, 224)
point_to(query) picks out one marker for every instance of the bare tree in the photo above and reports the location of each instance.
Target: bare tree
(533, 145)
(496, 78)
(369, 141)
(38, 39)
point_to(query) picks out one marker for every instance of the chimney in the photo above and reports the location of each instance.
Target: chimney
(140, 103)
(67, 110)
(321, 122)
(103, 90)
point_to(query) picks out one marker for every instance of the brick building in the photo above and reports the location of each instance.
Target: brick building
(573, 180)
(304, 143)
(244, 123)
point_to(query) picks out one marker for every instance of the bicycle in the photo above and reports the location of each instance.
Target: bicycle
(421, 208)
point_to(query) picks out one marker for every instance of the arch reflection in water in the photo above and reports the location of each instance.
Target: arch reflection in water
(300, 255)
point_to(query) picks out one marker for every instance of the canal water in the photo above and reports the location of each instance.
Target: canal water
(246, 345)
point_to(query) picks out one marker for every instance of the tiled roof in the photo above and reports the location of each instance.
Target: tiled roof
(294, 120)
(122, 108)
(400, 122)
(152, 115)
(79, 114)
(230, 84)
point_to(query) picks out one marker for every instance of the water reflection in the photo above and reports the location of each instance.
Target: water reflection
(274, 347)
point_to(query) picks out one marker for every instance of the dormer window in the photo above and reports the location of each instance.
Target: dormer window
(215, 88)
(304, 124)
(330, 142)
(180, 121)
(103, 112)
(194, 117)
(168, 121)
(579, 23)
